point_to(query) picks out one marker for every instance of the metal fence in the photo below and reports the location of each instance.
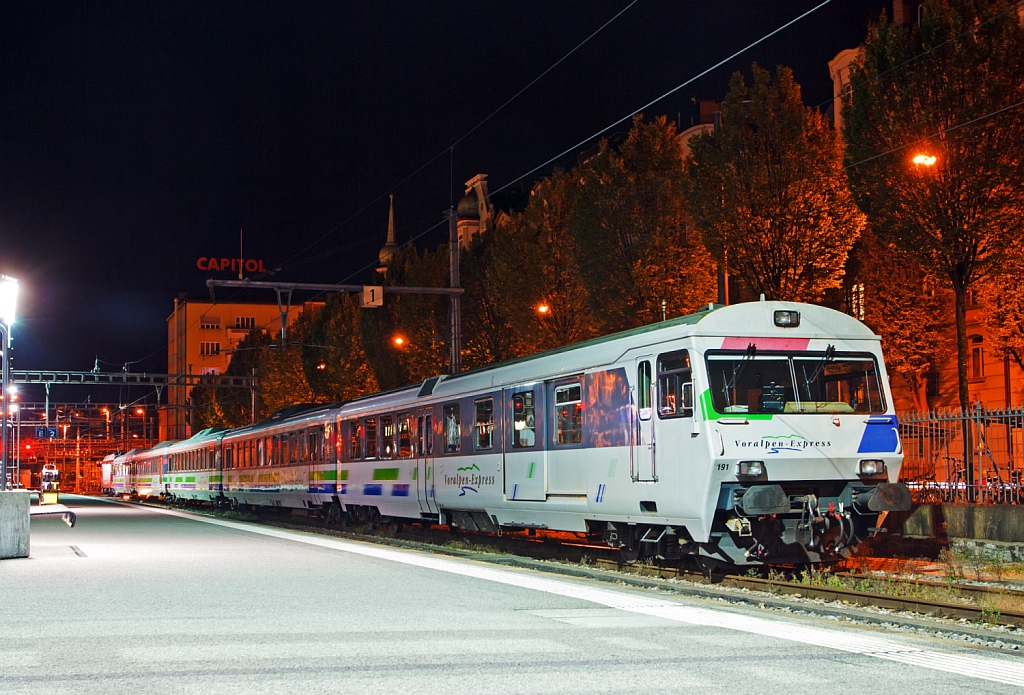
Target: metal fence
(975, 457)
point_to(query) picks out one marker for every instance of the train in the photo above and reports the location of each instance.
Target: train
(760, 433)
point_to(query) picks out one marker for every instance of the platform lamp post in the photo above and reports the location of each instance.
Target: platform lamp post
(8, 302)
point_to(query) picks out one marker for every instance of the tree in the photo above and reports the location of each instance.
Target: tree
(531, 264)
(905, 308)
(769, 192)
(234, 406)
(640, 246)
(333, 360)
(946, 89)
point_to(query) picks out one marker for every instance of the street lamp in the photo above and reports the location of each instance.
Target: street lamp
(8, 304)
(543, 309)
(925, 160)
(399, 341)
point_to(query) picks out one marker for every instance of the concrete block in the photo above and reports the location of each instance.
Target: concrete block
(14, 523)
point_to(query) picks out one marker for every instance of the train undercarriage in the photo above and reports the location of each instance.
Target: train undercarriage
(769, 524)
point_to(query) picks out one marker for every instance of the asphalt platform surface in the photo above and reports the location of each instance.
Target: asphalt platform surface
(142, 600)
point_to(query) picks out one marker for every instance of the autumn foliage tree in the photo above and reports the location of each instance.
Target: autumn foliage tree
(333, 360)
(906, 308)
(950, 88)
(769, 192)
(632, 220)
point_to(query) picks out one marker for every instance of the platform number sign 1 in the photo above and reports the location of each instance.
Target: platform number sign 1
(372, 297)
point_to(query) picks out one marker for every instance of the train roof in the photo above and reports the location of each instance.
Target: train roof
(747, 319)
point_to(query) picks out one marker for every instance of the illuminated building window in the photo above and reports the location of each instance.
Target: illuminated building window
(210, 323)
(212, 371)
(977, 357)
(207, 348)
(245, 322)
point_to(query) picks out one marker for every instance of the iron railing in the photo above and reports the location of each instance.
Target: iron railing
(975, 457)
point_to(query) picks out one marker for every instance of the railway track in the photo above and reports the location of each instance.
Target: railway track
(912, 593)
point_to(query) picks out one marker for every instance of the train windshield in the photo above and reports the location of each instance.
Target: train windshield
(804, 382)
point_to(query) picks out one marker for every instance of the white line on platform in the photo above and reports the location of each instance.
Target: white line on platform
(997, 670)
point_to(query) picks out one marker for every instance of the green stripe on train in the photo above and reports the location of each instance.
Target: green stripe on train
(323, 475)
(344, 474)
(385, 474)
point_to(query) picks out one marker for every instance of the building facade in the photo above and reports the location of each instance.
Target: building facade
(201, 337)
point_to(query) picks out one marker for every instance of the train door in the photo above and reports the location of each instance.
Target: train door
(522, 433)
(642, 464)
(425, 461)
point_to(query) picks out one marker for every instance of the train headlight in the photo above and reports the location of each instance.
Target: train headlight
(787, 319)
(750, 469)
(871, 467)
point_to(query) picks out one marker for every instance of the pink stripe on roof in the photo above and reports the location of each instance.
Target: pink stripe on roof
(766, 343)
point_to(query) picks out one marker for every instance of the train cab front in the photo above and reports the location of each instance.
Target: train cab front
(808, 452)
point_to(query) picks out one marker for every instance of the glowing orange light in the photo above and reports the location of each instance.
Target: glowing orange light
(321, 366)
(27, 447)
(543, 309)
(139, 411)
(924, 160)
(399, 341)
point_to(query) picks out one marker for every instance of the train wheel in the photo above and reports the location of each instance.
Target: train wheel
(629, 554)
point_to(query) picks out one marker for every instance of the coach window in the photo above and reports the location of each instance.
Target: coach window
(371, 437)
(355, 440)
(484, 425)
(404, 435)
(452, 429)
(568, 414)
(524, 421)
(675, 389)
(229, 456)
(387, 437)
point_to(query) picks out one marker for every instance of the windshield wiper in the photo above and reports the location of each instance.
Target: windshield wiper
(737, 370)
(830, 354)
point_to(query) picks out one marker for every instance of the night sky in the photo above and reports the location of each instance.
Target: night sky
(136, 137)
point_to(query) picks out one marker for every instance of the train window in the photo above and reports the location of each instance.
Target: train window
(643, 390)
(304, 446)
(262, 452)
(803, 382)
(428, 434)
(675, 388)
(229, 457)
(387, 437)
(568, 414)
(484, 426)
(274, 455)
(404, 435)
(371, 438)
(524, 421)
(452, 429)
(293, 447)
(355, 438)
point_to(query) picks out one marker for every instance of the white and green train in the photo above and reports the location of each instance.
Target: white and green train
(750, 434)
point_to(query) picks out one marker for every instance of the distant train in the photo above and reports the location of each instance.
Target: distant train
(758, 433)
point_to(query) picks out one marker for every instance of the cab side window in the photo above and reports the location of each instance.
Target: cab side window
(675, 385)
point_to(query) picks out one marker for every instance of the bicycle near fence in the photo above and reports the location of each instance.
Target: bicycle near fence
(951, 457)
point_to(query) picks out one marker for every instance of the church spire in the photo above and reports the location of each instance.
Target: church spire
(390, 248)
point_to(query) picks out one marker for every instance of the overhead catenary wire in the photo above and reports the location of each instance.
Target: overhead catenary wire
(449, 149)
